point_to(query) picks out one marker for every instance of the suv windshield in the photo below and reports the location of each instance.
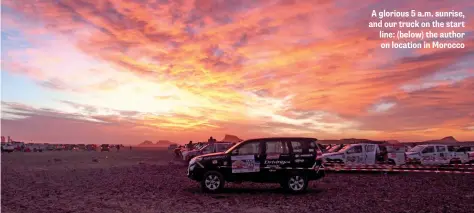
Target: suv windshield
(345, 148)
(232, 147)
(417, 149)
(335, 148)
(203, 147)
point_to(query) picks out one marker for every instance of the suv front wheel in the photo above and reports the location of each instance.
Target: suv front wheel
(295, 183)
(212, 181)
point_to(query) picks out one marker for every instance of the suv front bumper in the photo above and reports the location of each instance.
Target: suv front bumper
(195, 172)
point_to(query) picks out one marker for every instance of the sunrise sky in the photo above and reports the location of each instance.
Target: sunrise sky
(118, 71)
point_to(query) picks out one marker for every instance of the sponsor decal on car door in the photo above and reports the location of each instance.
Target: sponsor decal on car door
(244, 164)
(354, 155)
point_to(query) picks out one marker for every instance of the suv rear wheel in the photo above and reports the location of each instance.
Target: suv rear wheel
(295, 183)
(212, 181)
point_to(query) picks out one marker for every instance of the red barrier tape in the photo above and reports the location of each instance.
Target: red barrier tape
(360, 166)
(396, 170)
(436, 160)
(402, 166)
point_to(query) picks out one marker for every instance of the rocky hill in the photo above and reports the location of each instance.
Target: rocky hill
(160, 143)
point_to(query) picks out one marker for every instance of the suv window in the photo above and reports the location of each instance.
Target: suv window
(464, 149)
(440, 148)
(370, 148)
(451, 148)
(208, 148)
(298, 146)
(248, 149)
(355, 149)
(428, 149)
(276, 147)
(222, 147)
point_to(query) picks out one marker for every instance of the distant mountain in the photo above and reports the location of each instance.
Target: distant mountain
(355, 140)
(348, 141)
(163, 143)
(231, 138)
(449, 139)
(146, 143)
(160, 143)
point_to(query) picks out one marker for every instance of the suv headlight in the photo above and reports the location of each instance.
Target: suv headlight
(195, 160)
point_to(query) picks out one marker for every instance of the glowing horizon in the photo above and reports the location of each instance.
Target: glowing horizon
(129, 71)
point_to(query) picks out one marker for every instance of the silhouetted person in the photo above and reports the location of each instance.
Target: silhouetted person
(130, 147)
(118, 147)
(190, 145)
(211, 140)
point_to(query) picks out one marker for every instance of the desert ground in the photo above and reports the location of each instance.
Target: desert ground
(150, 180)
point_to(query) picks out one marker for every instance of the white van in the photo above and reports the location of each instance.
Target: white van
(366, 154)
(431, 154)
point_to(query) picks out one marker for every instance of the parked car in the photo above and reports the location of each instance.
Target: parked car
(366, 154)
(292, 162)
(172, 146)
(470, 157)
(105, 147)
(183, 148)
(37, 147)
(59, 147)
(177, 151)
(436, 154)
(8, 147)
(50, 147)
(91, 147)
(81, 147)
(208, 148)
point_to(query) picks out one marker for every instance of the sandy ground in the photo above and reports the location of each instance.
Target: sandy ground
(149, 180)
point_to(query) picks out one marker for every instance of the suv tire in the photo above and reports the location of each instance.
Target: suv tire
(295, 183)
(212, 181)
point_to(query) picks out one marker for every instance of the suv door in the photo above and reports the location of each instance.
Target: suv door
(246, 161)
(303, 153)
(275, 157)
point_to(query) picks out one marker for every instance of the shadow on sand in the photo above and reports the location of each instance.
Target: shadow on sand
(252, 191)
